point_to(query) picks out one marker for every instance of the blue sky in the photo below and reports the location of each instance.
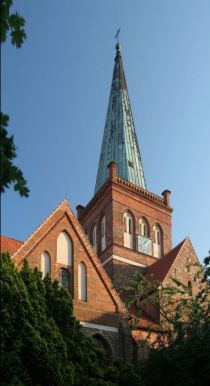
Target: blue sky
(56, 88)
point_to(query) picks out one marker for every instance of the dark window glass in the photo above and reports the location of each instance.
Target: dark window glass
(64, 278)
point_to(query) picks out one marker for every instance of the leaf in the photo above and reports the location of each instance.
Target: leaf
(10, 174)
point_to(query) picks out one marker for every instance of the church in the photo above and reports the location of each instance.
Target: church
(124, 229)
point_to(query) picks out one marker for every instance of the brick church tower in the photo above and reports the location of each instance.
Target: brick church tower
(129, 229)
(128, 226)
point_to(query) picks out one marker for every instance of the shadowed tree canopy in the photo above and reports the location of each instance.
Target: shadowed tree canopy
(185, 320)
(42, 342)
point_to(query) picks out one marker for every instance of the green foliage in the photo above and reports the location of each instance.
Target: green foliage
(32, 347)
(42, 342)
(185, 318)
(12, 23)
(10, 174)
(123, 374)
(185, 362)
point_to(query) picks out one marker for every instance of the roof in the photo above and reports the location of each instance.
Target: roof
(147, 323)
(159, 270)
(9, 245)
(120, 144)
(144, 321)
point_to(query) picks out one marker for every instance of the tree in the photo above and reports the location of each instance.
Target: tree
(42, 342)
(9, 172)
(11, 23)
(32, 348)
(181, 355)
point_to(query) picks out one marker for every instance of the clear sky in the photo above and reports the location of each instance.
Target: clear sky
(56, 88)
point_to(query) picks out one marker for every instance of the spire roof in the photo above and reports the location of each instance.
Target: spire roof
(120, 144)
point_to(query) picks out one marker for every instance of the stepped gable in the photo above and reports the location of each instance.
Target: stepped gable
(9, 245)
(160, 269)
(43, 230)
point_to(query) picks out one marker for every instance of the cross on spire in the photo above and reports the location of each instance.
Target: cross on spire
(116, 36)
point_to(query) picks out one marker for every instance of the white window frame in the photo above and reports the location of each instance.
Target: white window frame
(103, 233)
(128, 228)
(94, 237)
(64, 249)
(45, 264)
(82, 282)
(157, 241)
(143, 228)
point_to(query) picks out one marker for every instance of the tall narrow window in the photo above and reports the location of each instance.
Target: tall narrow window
(45, 264)
(128, 230)
(143, 228)
(64, 249)
(82, 282)
(64, 277)
(157, 241)
(103, 233)
(94, 238)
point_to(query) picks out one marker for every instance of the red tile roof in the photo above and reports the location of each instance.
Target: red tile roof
(159, 270)
(9, 245)
(146, 322)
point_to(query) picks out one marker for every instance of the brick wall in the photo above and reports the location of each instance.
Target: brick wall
(100, 306)
(184, 267)
(113, 200)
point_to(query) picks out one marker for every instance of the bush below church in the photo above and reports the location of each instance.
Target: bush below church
(42, 342)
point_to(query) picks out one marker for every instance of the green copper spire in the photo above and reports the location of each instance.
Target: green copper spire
(120, 143)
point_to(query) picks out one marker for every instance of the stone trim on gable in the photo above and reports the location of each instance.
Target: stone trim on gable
(124, 260)
(99, 326)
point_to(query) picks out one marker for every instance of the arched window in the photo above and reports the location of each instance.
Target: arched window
(64, 249)
(128, 230)
(82, 282)
(103, 233)
(103, 343)
(143, 228)
(64, 277)
(94, 237)
(45, 264)
(157, 241)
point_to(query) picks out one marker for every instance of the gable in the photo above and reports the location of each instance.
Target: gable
(180, 268)
(174, 264)
(100, 294)
(159, 270)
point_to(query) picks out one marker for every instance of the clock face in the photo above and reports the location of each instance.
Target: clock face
(144, 245)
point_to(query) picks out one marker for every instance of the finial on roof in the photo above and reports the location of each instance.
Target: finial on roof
(118, 47)
(116, 37)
